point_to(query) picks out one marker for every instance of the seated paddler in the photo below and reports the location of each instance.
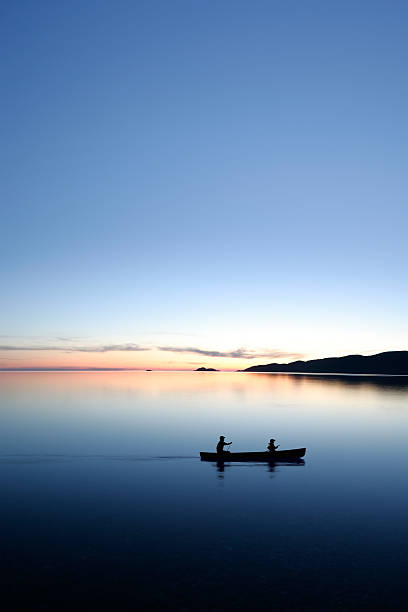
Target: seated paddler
(221, 444)
(271, 446)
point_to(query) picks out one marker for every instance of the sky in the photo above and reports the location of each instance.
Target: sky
(189, 183)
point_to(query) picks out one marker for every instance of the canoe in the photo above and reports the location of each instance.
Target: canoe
(282, 455)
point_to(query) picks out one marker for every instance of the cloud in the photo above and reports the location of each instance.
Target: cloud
(69, 338)
(103, 348)
(131, 347)
(239, 353)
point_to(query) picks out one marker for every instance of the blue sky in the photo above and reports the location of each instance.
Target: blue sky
(209, 175)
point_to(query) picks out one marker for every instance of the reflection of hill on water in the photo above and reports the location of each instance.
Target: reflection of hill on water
(384, 383)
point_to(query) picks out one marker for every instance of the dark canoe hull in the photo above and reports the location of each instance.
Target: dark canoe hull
(283, 455)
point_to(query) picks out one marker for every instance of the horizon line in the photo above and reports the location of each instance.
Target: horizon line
(181, 369)
(96, 369)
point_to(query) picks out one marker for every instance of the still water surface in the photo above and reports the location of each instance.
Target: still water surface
(106, 505)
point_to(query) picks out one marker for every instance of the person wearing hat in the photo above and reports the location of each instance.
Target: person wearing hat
(221, 444)
(271, 446)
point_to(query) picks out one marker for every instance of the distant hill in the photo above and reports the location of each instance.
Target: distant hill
(391, 362)
(206, 370)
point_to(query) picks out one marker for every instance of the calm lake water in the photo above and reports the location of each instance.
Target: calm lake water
(106, 505)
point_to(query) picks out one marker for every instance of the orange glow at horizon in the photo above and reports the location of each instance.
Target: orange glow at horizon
(151, 359)
(139, 360)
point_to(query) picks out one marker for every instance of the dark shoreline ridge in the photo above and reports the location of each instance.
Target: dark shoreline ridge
(390, 362)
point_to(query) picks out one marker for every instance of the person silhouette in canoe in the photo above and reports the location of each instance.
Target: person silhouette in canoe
(271, 446)
(221, 444)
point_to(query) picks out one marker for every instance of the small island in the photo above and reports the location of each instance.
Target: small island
(202, 369)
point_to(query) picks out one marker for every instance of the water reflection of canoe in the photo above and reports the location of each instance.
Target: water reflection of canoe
(282, 455)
